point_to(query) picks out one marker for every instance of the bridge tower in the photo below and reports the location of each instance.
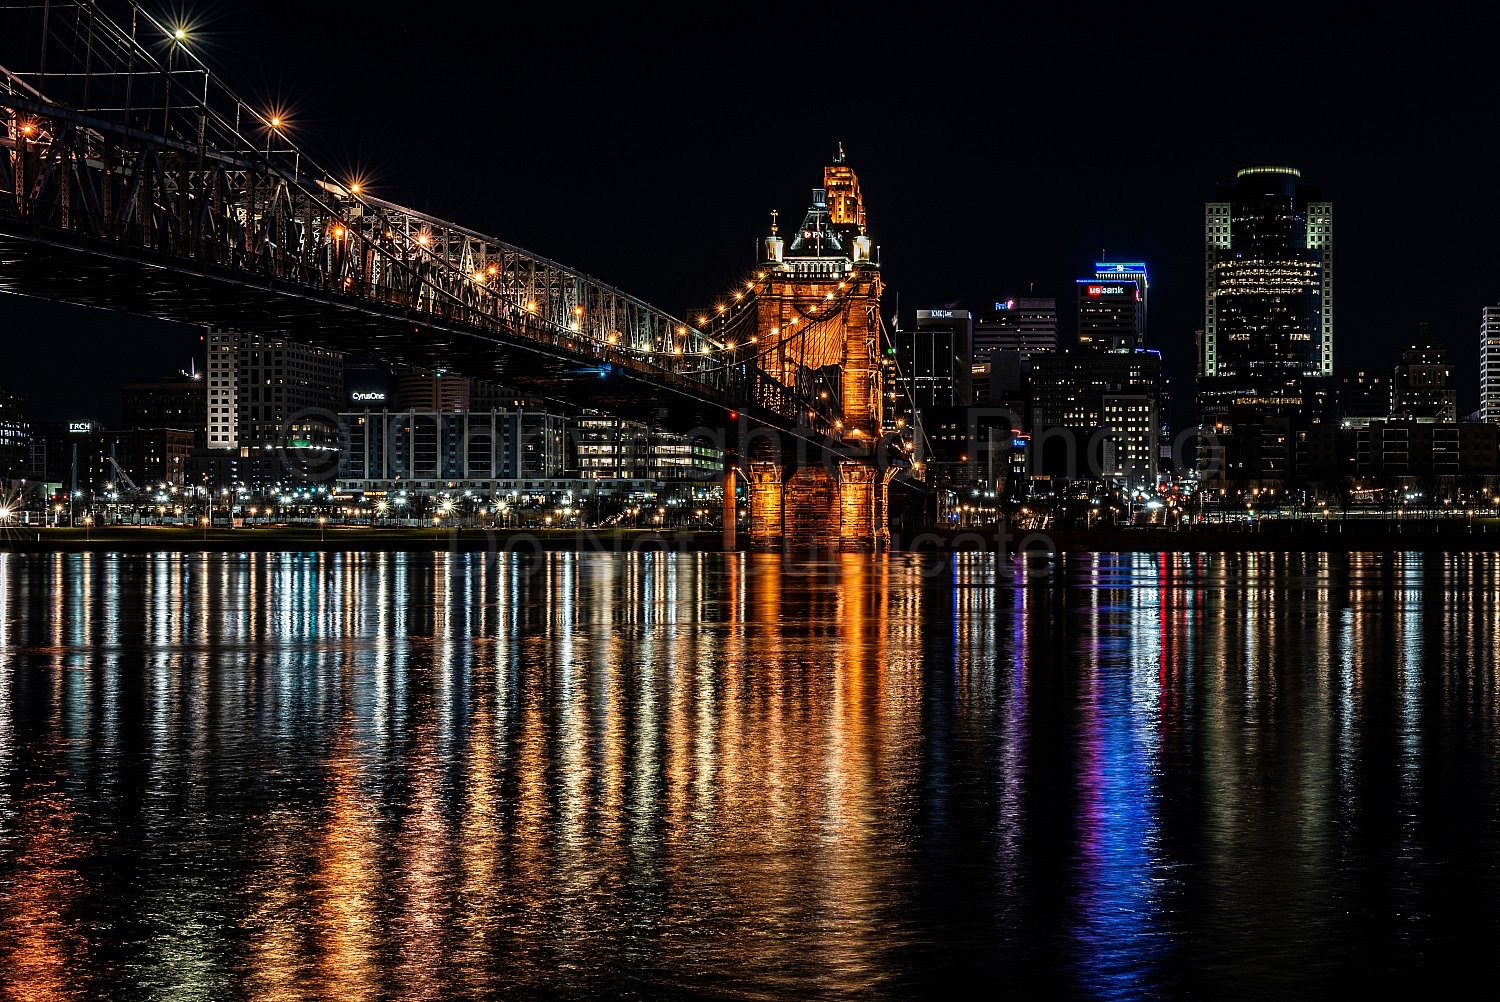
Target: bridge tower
(818, 322)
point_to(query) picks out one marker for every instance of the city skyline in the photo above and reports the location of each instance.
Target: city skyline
(724, 507)
(977, 189)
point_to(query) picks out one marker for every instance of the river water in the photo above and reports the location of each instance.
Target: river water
(413, 776)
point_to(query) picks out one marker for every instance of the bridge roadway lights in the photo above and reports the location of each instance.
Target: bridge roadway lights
(840, 504)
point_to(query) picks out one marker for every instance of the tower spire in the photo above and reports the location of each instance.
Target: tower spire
(838, 155)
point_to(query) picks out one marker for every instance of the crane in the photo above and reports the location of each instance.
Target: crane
(122, 476)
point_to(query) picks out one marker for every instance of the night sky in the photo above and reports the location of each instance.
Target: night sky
(995, 153)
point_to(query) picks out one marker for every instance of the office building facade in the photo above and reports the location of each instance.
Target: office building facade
(429, 390)
(1135, 271)
(442, 450)
(1364, 396)
(1423, 388)
(1026, 324)
(267, 393)
(1268, 274)
(1489, 365)
(934, 359)
(178, 401)
(1265, 371)
(1111, 315)
(1095, 415)
(15, 437)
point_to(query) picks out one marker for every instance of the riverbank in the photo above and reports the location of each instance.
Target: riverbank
(1311, 535)
(1303, 536)
(138, 539)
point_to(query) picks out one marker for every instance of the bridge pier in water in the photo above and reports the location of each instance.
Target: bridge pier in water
(839, 504)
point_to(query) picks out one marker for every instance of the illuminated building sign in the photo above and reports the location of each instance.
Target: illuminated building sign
(1009, 304)
(363, 396)
(80, 427)
(1106, 290)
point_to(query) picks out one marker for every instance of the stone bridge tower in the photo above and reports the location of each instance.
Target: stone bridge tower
(818, 320)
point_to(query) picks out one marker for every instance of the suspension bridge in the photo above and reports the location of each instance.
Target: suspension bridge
(133, 179)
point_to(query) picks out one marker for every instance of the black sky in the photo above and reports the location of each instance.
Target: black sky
(994, 151)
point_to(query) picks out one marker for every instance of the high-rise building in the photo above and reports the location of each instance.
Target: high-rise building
(267, 393)
(15, 437)
(1114, 271)
(1266, 351)
(934, 358)
(178, 401)
(1027, 324)
(1489, 365)
(846, 206)
(426, 390)
(1423, 389)
(1111, 315)
(1129, 455)
(1268, 294)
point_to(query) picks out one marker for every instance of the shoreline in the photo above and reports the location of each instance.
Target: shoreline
(1310, 537)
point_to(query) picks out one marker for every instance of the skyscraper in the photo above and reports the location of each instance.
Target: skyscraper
(1268, 295)
(934, 359)
(263, 392)
(1110, 315)
(1027, 324)
(1265, 370)
(1111, 271)
(1489, 365)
